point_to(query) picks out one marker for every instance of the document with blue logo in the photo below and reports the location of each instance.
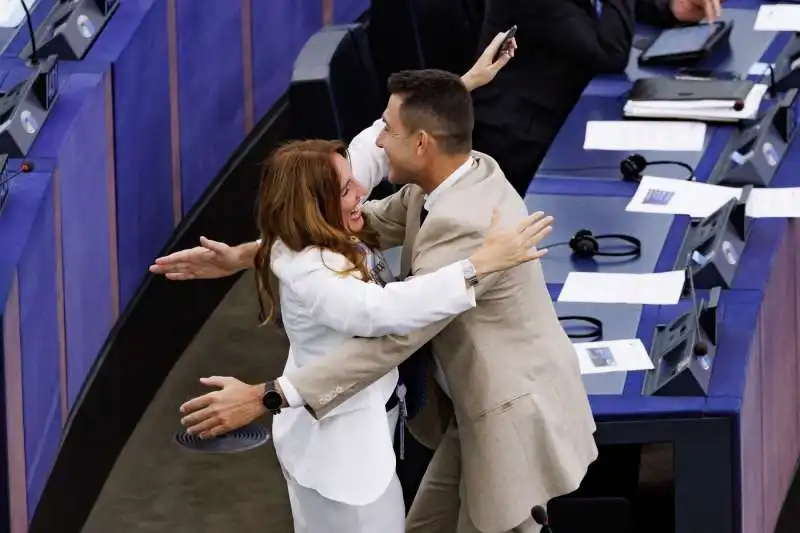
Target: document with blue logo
(668, 196)
(612, 356)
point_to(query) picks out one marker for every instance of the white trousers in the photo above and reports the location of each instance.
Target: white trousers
(313, 513)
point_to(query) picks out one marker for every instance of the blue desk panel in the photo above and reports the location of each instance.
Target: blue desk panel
(346, 11)
(212, 116)
(75, 145)
(32, 337)
(601, 215)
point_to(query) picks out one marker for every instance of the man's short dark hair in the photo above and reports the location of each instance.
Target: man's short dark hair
(437, 102)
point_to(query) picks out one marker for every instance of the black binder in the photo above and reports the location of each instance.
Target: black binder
(677, 90)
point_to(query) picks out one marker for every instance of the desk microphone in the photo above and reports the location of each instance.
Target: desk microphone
(700, 347)
(539, 515)
(24, 168)
(34, 59)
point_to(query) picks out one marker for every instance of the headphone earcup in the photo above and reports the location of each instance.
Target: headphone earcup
(632, 167)
(583, 244)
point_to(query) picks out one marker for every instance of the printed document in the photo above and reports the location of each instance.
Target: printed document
(778, 17)
(620, 135)
(680, 197)
(773, 203)
(663, 288)
(612, 356)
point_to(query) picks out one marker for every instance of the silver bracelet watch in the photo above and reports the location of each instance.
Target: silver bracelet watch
(470, 274)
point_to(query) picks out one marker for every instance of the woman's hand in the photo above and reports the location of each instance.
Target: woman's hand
(210, 260)
(504, 248)
(485, 69)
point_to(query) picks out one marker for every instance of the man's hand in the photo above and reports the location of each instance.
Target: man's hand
(484, 70)
(210, 260)
(236, 404)
(696, 10)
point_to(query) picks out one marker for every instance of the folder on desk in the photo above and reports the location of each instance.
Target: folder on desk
(707, 100)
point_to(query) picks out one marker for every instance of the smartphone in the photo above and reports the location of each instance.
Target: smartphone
(506, 42)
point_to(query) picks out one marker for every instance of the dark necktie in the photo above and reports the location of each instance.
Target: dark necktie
(413, 371)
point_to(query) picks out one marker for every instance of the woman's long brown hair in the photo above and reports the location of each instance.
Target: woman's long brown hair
(299, 203)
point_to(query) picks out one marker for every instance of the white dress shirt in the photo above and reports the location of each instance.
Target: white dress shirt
(348, 456)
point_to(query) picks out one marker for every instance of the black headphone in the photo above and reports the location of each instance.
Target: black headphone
(631, 168)
(586, 245)
(594, 328)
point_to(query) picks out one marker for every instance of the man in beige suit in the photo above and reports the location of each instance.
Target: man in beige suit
(509, 416)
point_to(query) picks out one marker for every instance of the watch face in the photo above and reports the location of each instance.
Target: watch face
(272, 400)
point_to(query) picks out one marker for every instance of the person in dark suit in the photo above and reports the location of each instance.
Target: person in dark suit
(566, 44)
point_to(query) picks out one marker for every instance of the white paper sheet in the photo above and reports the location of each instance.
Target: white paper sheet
(778, 17)
(773, 203)
(12, 14)
(679, 197)
(760, 69)
(612, 356)
(621, 135)
(663, 288)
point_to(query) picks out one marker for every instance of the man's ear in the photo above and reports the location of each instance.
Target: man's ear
(424, 142)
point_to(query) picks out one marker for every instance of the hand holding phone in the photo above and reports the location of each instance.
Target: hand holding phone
(507, 40)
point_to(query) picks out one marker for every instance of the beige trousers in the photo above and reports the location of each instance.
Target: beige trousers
(437, 507)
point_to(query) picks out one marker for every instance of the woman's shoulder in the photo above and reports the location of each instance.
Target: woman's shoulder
(287, 263)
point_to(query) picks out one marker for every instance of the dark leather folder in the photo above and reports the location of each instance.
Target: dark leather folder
(675, 90)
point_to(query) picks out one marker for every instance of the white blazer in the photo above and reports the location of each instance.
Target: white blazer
(348, 456)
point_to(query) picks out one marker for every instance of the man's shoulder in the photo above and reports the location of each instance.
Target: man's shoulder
(472, 204)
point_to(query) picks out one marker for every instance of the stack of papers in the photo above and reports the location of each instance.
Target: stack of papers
(625, 135)
(705, 110)
(679, 197)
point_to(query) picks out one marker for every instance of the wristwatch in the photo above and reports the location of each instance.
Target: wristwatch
(470, 274)
(272, 399)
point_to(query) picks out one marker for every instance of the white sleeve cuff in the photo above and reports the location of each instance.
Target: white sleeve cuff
(293, 397)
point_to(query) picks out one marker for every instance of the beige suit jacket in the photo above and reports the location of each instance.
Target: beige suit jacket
(524, 421)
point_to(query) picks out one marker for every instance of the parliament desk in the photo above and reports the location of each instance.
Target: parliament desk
(735, 450)
(141, 127)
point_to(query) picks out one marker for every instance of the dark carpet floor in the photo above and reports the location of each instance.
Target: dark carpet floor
(158, 487)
